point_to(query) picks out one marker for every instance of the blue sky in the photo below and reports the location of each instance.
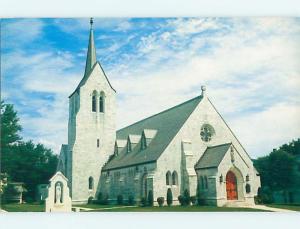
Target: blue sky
(250, 67)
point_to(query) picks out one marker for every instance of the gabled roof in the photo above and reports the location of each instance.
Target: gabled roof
(212, 156)
(84, 79)
(167, 124)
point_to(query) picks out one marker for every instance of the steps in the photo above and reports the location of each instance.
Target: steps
(238, 203)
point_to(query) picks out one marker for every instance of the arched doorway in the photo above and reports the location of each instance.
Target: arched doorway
(231, 186)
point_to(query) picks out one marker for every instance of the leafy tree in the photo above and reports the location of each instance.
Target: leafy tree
(31, 164)
(10, 126)
(292, 148)
(277, 170)
(23, 161)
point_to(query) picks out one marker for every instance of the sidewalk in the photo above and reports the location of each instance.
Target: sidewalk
(89, 209)
(263, 207)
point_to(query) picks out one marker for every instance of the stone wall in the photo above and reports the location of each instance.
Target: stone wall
(85, 127)
(171, 159)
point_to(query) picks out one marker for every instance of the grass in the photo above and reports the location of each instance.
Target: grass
(95, 206)
(31, 207)
(15, 207)
(293, 207)
(178, 209)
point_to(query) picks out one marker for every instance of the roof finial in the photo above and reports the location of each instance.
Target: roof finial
(91, 22)
(203, 89)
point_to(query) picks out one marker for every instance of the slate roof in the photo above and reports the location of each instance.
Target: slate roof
(167, 124)
(212, 156)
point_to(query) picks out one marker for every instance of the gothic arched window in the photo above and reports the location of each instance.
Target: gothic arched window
(91, 183)
(168, 178)
(94, 103)
(101, 102)
(174, 178)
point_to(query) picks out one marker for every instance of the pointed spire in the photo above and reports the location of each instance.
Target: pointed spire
(91, 58)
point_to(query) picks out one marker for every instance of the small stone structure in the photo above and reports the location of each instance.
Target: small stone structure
(58, 199)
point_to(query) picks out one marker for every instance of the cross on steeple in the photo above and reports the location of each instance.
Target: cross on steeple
(91, 22)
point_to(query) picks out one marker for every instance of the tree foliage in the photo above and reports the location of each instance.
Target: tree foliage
(25, 162)
(278, 170)
(10, 126)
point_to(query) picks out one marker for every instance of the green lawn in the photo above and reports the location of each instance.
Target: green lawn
(295, 207)
(95, 206)
(115, 208)
(23, 207)
(176, 209)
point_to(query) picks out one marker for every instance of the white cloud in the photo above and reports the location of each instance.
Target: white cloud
(265, 130)
(47, 73)
(80, 24)
(20, 32)
(247, 73)
(250, 67)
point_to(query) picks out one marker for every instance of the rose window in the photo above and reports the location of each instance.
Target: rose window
(207, 132)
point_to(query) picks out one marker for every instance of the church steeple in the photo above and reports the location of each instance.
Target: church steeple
(91, 58)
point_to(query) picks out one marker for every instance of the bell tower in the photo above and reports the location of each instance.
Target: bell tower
(91, 128)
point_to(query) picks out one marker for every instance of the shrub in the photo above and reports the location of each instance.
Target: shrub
(120, 199)
(150, 198)
(105, 199)
(169, 197)
(186, 197)
(160, 201)
(193, 199)
(90, 200)
(131, 200)
(181, 200)
(201, 201)
(143, 201)
(102, 198)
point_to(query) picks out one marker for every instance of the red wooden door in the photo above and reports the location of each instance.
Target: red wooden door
(231, 187)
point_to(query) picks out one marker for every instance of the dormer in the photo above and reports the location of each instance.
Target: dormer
(132, 141)
(147, 137)
(119, 145)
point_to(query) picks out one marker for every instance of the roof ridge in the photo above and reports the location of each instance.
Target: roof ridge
(151, 116)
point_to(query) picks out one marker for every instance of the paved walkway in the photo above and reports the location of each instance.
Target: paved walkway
(263, 207)
(91, 209)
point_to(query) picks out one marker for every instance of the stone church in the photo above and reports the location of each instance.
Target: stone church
(186, 147)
